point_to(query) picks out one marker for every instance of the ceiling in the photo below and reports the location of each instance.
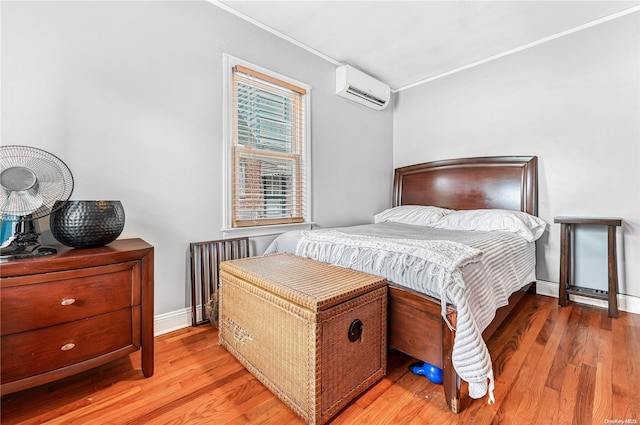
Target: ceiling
(404, 43)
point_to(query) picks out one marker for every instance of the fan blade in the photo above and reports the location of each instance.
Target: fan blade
(22, 203)
(53, 191)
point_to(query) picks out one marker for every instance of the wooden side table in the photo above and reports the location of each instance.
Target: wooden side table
(567, 286)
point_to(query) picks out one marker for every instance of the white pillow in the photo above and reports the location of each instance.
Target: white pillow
(518, 222)
(419, 215)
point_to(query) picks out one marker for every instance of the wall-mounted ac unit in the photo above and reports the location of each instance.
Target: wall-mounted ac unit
(362, 88)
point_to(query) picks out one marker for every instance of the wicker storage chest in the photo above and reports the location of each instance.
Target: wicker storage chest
(314, 334)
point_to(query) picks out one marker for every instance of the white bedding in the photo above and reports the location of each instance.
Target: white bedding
(475, 271)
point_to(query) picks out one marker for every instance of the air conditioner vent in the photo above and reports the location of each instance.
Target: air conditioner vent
(359, 87)
(366, 96)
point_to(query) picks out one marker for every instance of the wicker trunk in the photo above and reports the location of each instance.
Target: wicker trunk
(314, 334)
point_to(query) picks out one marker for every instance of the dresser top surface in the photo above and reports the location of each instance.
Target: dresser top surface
(68, 258)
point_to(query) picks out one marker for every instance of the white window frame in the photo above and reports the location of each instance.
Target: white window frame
(228, 63)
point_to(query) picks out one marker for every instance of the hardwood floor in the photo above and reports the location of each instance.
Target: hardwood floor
(571, 365)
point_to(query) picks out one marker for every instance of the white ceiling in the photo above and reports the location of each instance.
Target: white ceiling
(404, 43)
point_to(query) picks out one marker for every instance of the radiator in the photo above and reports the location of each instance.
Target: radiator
(205, 264)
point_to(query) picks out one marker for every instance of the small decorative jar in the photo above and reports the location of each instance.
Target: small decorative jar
(87, 224)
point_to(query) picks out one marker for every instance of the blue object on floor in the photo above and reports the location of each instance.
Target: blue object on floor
(433, 373)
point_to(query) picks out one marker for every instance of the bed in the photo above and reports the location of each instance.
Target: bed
(423, 322)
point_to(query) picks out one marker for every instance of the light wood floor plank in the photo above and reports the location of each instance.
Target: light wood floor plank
(603, 400)
(623, 398)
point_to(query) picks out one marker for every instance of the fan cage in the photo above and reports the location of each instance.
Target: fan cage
(54, 182)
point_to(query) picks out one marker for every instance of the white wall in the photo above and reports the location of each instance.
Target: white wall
(129, 95)
(574, 102)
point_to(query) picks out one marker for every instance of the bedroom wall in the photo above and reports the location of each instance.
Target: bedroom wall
(575, 103)
(129, 95)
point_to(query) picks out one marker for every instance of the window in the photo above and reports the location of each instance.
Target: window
(266, 150)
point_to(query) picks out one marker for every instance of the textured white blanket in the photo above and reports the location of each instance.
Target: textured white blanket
(434, 263)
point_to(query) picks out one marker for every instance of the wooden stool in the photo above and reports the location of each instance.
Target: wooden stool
(566, 287)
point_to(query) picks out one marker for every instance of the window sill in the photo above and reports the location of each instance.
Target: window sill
(254, 231)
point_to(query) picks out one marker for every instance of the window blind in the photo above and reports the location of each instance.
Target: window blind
(268, 168)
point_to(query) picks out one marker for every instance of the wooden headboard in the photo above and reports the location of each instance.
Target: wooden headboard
(507, 182)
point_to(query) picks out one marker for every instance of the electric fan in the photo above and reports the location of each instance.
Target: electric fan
(31, 181)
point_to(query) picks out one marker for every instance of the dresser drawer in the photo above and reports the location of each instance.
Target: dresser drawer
(32, 353)
(38, 301)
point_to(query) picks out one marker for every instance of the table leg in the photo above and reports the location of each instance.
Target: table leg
(613, 273)
(565, 259)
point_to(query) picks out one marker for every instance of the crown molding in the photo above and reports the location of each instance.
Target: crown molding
(535, 43)
(524, 47)
(274, 32)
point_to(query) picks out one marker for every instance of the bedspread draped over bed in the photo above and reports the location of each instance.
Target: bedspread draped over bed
(474, 271)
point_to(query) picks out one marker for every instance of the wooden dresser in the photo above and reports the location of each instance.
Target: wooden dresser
(80, 308)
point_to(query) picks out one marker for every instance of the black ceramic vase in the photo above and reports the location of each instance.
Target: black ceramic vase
(87, 224)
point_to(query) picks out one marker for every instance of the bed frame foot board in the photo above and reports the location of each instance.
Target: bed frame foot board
(413, 315)
(450, 379)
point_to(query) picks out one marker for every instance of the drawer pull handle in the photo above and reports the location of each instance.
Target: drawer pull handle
(68, 301)
(68, 346)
